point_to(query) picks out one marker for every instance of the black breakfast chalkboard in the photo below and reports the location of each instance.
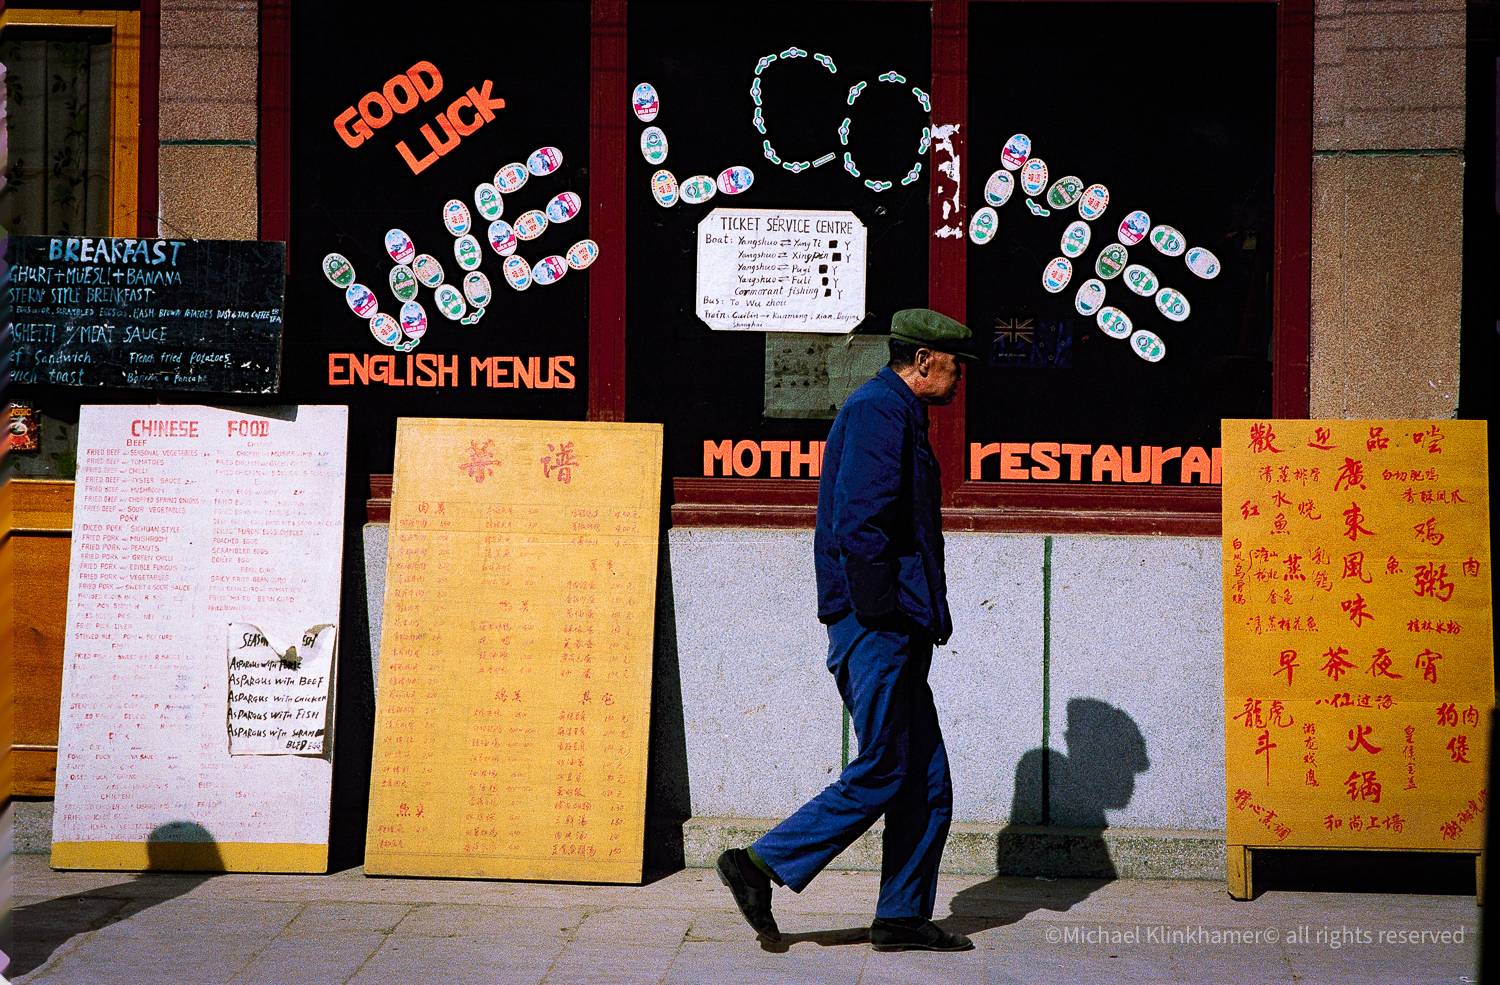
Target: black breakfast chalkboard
(200, 315)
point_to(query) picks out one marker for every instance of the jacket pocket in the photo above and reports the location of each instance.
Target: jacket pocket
(914, 593)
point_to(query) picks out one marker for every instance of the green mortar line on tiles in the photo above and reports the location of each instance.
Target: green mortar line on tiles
(846, 739)
(1046, 674)
(1410, 152)
(207, 143)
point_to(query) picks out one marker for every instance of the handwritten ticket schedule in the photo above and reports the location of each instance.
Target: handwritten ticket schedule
(1358, 653)
(512, 717)
(184, 744)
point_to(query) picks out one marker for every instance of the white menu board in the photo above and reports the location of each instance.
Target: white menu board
(781, 270)
(203, 601)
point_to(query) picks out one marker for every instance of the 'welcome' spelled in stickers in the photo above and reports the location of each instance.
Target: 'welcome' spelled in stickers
(338, 270)
(1113, 322)
(998, 189)
(549, 270)
(1172, 304)
(1090, 297)
(1168, 241)
(564, 207)
(1203, 263)
(403, 282)
(1056, 275)
(1094, 201)
(502, 237)
(450, 302)
(387, 330)
(413, 319)
(645, 102)
(664, 189)
(697, 189)
(1133, 227)
(734, 180)
(530, 225)
(1141, 280)
(1075, 239)
(983, 225)
(428, 270)
(1015, 152)
(653, 147)
(361, 300)
(511, 177)
(1112, 259)
(581, 254)
(1064, 192)
(399, 246)
(487, 201)
(517, 272)
(466, 252)
(1034, 176)
(1148, 346)
(456, 218)
(544, 161)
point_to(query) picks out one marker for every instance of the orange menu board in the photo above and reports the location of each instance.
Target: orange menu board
(1358, 648)
(513, 711)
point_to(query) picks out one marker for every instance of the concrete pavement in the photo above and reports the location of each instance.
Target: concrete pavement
(97, 927)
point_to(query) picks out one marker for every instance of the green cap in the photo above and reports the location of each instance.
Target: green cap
(925, 327)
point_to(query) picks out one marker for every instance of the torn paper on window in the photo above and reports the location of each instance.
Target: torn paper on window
(810, 376)
(278, 691)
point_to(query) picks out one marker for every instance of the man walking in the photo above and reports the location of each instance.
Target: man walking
(881, 592)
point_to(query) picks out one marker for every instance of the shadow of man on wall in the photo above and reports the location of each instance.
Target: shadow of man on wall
(181, 856)
(1052, 855)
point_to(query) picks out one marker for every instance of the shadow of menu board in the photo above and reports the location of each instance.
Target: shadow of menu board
(527, 356)
(708, 385)
(201, 315)
(1178, 122)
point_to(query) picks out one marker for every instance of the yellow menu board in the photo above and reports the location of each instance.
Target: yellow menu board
(1358, 653)
(513, 709)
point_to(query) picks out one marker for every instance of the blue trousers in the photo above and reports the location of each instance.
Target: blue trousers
(901, 772)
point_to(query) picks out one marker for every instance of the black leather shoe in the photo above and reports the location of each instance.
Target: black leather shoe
(754, 903)
(914, 934)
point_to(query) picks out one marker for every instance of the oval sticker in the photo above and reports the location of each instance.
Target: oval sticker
(1015, 152)
(487, 201)
(403, 282)
(544, 160)
(582, 253)
(734, 180)
(549, 270)
(338, 270)
(564, 207)
(1034, 176)
(1148, 346)
(399, 246)
(1168, 241)
(654, 145)
(1064, 192)
(1113, 322)
(456, 218)
(1094, 201)
(645, 102)
(1112, 259)
(413, 319)
(502, 237)
(699, 188)
(450, 302)
(387, 330)
(1133, 227)
(466, 252)
(1203, 263)
(998, 189)
(983, 225)
(1057, 274)
(517, 272)
(1075, 239)
(1140, 280)
(1172, 304)
(530, 225)
(1090, 297)
(361, 300)
(511, 177)
(477, 288)
(664, 189)
(428, 270)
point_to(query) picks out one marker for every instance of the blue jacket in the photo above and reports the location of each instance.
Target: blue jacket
(879, 542)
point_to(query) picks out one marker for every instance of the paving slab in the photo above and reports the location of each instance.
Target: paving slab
(314, 959)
